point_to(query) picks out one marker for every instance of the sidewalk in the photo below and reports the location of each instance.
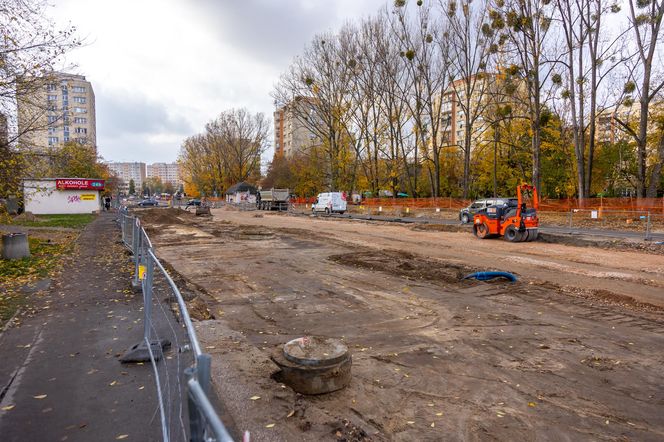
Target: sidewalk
(60, 378)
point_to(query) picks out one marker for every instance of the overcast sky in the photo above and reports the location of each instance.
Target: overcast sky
(161, 69)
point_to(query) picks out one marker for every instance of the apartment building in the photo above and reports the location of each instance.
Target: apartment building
(452, 114)
(166, 172)
(608, 129)
(291, 132)
(127, 172)
(62, 110)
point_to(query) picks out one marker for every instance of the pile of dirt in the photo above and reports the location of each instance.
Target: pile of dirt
(26, 216)
(165, 216)
(406, 264)
(252, 233)
(198, 309)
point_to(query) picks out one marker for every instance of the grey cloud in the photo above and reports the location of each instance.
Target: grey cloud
(124, 147)
(135, 114)
(273, 31)
(126, 121)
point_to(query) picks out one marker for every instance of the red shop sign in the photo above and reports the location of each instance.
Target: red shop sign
(78, 184)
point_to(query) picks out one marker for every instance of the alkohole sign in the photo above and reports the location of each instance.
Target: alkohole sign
(78, 184)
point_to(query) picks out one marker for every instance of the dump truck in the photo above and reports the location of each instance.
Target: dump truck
(273, 199)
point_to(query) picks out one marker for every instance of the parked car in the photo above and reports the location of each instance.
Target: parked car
(330, 202)
(148, 203)
(193, 203)
(467, 213)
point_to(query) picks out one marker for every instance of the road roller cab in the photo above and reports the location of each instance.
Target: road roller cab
(515, 224)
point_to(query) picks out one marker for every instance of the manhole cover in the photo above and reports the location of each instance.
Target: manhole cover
(315, 351)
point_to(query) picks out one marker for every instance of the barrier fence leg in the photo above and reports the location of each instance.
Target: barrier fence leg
(136, 248)
(196, 425)
(147, 297)
(141, 352)
(203, 365)
(648, 228)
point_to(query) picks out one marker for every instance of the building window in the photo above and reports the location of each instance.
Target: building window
(52, 97)
(51, 87)
(81, 130)
(79, 89)
(52, 140)
(52, 119)
(80, 110)
(66, 138)
(79, 100)
(51, 130)
(80, 120)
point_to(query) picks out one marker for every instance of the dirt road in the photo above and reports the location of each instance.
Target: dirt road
(572, 351)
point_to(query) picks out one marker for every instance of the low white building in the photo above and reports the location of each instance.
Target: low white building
(49, 196)
(241, 193)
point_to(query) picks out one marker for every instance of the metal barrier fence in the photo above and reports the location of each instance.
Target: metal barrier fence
(634, 220)
(181, 369)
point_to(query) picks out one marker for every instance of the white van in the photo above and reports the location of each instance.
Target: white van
(330, 202)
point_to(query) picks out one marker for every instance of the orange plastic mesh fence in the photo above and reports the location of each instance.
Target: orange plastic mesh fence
(653, 205)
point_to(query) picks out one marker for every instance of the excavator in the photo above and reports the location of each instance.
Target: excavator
(514, 224)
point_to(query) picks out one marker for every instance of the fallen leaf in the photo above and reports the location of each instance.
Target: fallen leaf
(433, 424)
(8, 407)
(439, 414)
(269, 426)
(122, 436)
(141, 387)
(410, 422)
(255, 398)
(291, 413)
(40, 396)
(532, 404)
(113, 383)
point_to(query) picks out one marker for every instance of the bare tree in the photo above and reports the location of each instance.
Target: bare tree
(228, 152)
(645, 83)
(358, 51)
(591, 54)
(527, 24)
(316, 91)
(425, 46)
(472, 43)
(30, 46)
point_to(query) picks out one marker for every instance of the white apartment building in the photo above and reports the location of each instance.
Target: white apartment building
(127, 172)
(62, 110)
(166, 172)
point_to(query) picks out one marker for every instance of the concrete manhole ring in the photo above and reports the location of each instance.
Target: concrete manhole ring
(315, 351)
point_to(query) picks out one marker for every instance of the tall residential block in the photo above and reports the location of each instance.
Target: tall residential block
(127, 172)
(166, 172)
(62, 110)
(292, 133)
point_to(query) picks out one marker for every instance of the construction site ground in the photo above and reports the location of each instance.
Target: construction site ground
(572, 351)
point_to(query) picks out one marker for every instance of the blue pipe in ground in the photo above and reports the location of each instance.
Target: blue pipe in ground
(485, 276)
